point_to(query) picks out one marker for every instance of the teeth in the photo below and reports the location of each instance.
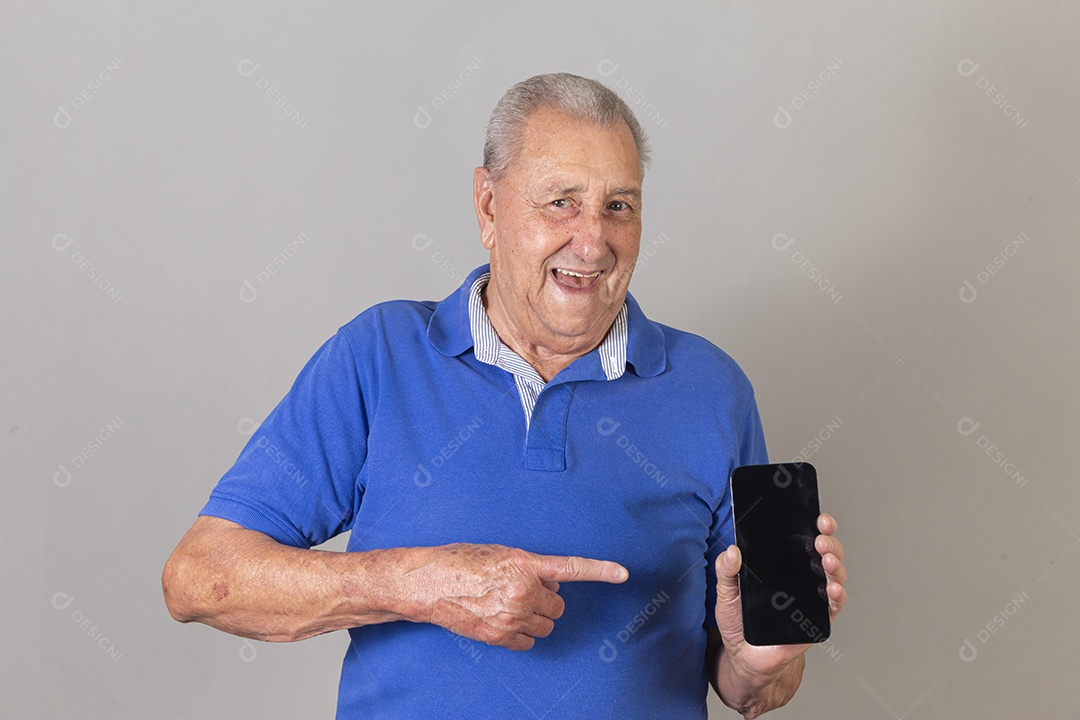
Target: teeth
(571, 273)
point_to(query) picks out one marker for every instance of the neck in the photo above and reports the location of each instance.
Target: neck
(547, 357)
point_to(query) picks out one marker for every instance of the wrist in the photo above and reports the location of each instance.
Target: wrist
(376, 585)
(753, 690)
(407, 579)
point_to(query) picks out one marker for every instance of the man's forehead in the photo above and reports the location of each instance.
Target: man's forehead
(546, 121)
(560, 153)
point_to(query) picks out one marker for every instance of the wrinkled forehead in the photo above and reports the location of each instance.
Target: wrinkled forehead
(554, 143)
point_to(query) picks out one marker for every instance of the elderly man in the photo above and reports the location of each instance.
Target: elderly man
(529, 465)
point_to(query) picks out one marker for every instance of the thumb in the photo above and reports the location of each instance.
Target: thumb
(728, 605)
(728, 564)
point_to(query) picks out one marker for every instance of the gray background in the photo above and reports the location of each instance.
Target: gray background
(136, 140)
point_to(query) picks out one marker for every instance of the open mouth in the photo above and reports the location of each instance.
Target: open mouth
(574, 280)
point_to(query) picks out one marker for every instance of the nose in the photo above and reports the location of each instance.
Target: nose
(589, 241)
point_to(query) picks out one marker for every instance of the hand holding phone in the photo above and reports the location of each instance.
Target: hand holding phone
(781, 582)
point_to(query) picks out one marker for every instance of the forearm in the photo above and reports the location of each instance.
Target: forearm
(750, 693)
(245, 583)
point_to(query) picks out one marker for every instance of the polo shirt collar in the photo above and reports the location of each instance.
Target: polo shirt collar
(450, 333)
(645, 344)
(448, 329)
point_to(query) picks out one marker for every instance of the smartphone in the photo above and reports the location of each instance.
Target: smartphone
(781, 582)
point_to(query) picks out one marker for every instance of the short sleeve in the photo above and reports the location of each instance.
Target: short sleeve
(750, 451)
(296, 480)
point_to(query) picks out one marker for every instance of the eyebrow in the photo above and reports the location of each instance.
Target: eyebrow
(570, 190)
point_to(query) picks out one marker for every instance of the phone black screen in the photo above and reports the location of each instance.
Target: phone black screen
(781, 583)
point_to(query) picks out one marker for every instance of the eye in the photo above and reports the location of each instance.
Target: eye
(561, 202)
(618, 205)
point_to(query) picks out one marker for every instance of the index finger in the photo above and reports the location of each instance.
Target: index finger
(570, 568)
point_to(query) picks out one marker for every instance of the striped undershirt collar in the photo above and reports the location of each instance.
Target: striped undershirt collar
(490, 349)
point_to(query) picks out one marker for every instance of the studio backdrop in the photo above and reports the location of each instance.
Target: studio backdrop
(871, 206)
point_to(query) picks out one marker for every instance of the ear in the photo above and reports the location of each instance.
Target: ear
(484, 200)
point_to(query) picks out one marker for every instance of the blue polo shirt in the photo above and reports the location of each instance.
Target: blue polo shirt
(395, 431)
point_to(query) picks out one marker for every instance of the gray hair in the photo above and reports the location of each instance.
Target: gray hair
(576, 96)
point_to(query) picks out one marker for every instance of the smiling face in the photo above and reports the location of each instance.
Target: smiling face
(563, 225)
